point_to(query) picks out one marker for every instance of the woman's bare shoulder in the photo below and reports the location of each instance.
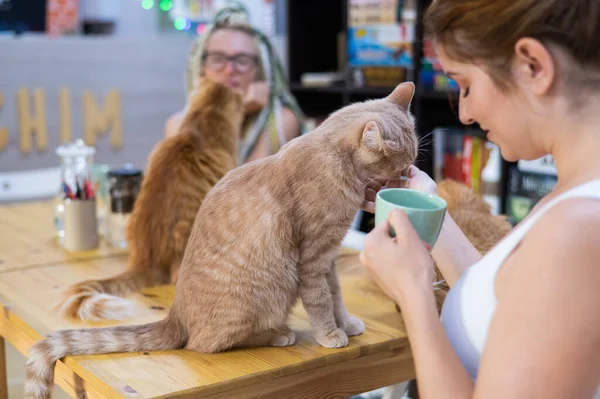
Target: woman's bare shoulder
(563, 241)
(291, 125)
(573, 217)
(173, 123)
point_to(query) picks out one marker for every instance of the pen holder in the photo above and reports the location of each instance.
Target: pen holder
(80, 224)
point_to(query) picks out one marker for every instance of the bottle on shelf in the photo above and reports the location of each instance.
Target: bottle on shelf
(491, 178)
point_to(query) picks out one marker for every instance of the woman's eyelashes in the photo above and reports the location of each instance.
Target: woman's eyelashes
(465, 92)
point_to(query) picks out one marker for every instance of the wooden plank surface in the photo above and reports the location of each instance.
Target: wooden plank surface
(379, 357)
(22, 337)
(28, 238)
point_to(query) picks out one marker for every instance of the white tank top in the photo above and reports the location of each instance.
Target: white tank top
(471, 302)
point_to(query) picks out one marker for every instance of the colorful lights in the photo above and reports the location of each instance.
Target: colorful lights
(180, 23)
(147, 4)
(165, 5)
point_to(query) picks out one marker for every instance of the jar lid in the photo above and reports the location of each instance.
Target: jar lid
(77, 148)
(124, 172)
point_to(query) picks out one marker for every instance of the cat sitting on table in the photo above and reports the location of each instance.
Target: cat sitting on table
(267, 234)
(181, 170)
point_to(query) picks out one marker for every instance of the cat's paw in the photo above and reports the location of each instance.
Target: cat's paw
(353, 326)
(335, 339)
(285, 339)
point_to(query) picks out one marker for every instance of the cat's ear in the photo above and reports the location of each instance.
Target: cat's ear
(403, 94)
(372, 136)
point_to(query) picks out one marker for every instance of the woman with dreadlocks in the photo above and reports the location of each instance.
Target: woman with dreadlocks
(234, 53)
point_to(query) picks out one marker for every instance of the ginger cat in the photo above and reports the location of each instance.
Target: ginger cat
(266, 234)
(472, 214)
(181, 171)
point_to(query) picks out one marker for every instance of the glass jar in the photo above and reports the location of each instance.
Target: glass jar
(75, 172)
(124, 186)
(100, 180)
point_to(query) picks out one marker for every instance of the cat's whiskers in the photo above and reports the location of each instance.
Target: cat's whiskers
(424, 152)
(426, 136)
(424, 142)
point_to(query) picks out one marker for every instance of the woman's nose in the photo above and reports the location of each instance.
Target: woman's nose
(463, 113)
(228, 68)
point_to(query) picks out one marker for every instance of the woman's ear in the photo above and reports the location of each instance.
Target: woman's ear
(534, 65)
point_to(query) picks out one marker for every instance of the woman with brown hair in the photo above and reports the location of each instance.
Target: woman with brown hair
(523, 321)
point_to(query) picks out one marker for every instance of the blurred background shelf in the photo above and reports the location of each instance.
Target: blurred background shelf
(320, 38)
(335, 52)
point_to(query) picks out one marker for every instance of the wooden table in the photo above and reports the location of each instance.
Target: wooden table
(35, 270)
(27, 238)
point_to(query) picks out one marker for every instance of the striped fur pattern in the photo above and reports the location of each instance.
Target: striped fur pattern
(265, 235)
(181, 171)
(39, 367)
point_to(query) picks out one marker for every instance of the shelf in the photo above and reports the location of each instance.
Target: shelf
(337, 88)
(341, 88)
(315, 34)
(380, 91)
(430, 94)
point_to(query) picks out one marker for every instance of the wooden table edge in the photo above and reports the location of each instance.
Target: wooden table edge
(23, 337)
(377, 370)
(75, 379)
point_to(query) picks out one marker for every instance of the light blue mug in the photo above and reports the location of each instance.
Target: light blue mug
(425, 211)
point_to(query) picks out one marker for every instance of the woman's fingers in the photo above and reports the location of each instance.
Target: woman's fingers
(402, 227)
(412, 171)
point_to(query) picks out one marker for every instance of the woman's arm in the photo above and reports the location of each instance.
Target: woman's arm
(403, 268)
(438, 368)
(453, 252)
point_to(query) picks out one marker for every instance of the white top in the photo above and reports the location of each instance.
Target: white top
(471, 302)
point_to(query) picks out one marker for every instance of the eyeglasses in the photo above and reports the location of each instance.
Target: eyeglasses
(242, 63)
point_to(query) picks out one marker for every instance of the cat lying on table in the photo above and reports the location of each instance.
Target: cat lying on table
(266, 234)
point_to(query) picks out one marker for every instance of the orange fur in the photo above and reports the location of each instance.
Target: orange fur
(472, 214)
(182, 169)
(266, 234)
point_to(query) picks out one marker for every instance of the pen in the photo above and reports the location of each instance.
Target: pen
(78, 193)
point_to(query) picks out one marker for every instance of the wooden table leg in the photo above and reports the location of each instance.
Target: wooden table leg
(3, 381)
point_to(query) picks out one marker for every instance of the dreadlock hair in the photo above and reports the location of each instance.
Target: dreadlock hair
(269, 120)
